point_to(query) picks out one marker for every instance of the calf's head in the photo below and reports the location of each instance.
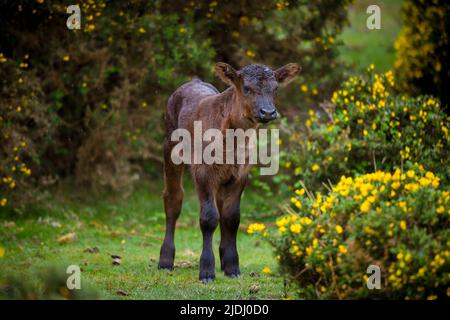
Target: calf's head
(257, 84)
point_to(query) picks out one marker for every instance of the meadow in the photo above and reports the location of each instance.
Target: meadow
(132, 229)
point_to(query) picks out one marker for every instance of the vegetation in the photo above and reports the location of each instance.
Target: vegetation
(397, 221)
(364, 164)
(367, 125)
(423, 49)
(88, 105)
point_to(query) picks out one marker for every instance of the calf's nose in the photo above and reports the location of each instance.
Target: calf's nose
(268, 113)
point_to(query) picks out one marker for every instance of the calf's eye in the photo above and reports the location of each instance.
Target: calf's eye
(247, 90)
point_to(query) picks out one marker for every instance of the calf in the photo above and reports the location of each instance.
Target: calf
(244, 105)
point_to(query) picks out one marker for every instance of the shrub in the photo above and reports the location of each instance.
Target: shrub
(91, 100)
(422, 46)
(25, 125)
(366, 126)
(275, 32)
(398, 221)
(88, 104)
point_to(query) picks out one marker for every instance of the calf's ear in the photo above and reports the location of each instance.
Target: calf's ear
(287, 73)
(227, 73)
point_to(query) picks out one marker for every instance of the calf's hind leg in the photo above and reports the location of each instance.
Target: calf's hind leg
(173, 200)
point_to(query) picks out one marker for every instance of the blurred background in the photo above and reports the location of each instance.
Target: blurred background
(86, 105)
(81, 111)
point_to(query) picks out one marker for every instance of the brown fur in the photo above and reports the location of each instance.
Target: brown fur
(247, 102)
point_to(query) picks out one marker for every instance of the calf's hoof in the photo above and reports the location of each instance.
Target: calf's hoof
(165, 265)
(207, 280)
(232, 272)
(232, 275)
(207, 276)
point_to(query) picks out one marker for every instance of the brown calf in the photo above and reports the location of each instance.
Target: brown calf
(245, 104)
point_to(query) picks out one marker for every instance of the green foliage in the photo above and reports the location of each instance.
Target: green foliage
(366, 126)
(87, 104)
(275, 32)
(398, 222)
(422, 62)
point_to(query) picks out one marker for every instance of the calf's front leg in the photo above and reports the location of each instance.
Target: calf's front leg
(229, 224)
(230, 214)
(209, 219)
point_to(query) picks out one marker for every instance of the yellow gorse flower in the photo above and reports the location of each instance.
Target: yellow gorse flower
(255, 227)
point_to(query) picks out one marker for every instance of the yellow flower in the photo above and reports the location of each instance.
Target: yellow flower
(304, 88)
(2, 252)
(339, 229)
(90, 27)
(250, 53)
(296, 228)
(432, 297)
(315, 167)
(435, 183)
(342, 249)
(365, 132)
(66, 58)
(267, 270)
(396, 185)
(410, 174)
(403, 225)
(365, 206)
(3, 202)
(255, 227)
(424, 182)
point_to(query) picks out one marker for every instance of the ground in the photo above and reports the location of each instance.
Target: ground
(132, 229)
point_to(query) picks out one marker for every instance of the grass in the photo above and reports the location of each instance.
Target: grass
(132, 229)
(362, 46)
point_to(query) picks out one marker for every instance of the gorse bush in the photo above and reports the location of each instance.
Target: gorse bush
(366, 126)
(24, 128)
(422, 61)
(397, 221)
(86, 105)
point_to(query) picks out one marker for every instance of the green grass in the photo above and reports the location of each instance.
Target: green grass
(362, 46)
(132, 229)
